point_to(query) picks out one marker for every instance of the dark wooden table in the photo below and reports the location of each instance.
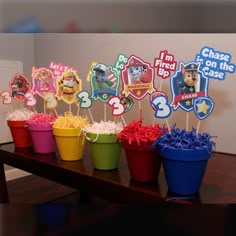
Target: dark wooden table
(219, 183)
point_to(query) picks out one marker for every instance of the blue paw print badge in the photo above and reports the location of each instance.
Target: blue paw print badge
(104, 82)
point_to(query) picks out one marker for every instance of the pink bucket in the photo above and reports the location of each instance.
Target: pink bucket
(42, 138)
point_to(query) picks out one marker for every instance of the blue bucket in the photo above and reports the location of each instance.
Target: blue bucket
(184, 169)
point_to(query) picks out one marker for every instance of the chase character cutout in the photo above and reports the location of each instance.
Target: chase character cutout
(188, 84)
(190, 78)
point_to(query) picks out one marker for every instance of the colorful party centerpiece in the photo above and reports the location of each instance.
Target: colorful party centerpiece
(103, 144)
(40, 127)
(185, 155)
(143, 161)
(68, 133)
(17, 122)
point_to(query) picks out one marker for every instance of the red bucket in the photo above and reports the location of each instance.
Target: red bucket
(144, 166)
(20, 133)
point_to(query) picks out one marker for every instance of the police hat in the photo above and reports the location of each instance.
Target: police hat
(191, 67)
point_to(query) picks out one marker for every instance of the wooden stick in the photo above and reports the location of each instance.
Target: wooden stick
(168, 126)
(139, 105)
(122, 118)
(154, 121)
(91, 117)
(54, 109)
(70, 108)
(160, 85)
(198, 126)
(187, 121)
(105, 113)
(78, 110)
(85, 113)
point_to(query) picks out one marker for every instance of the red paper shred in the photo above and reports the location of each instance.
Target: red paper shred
(139, 137)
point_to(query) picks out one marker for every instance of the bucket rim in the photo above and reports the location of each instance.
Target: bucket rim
(101, 138)
(198, 154)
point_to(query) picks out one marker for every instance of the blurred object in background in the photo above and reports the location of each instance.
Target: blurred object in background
(27, 25)
(118, 16)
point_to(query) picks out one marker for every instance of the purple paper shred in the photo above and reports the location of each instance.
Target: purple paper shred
(182, 139)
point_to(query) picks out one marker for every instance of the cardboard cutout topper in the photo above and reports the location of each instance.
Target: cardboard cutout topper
(43, 81)
(137, 77)
(203, 107)
(67, 86)
(104, 82)
(19, 86)
(159, 103)
(215, 64)
(188, 84)
(165, 64)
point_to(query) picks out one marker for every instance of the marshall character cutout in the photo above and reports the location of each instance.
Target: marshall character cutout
(136, 71)
(137, 77)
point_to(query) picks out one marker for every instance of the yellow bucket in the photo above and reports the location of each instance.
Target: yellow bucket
(70, 143)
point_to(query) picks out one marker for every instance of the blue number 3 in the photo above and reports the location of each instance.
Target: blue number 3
(163, 109)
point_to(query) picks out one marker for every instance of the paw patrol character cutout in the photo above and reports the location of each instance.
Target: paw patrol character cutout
(137, 77)
(43, 81)
(67, 86)
(104, 82)
(188, 84)
(19, 86)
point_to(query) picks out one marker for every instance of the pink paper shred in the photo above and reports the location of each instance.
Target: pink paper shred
(139, 137)
(41, 118)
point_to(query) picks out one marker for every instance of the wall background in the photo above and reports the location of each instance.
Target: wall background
(79, 50)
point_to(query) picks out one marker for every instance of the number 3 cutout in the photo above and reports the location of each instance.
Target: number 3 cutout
(30, 99)
(84, 98)
(117, 105)
(163, 109)
(7, 99)
(50, 100)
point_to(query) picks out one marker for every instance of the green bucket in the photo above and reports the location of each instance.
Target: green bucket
(105, 150)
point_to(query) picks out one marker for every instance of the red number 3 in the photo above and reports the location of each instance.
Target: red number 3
(116, 104)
